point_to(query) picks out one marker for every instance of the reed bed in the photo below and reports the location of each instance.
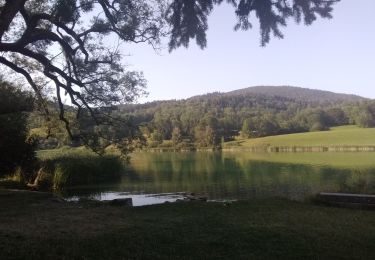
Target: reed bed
(73, 167)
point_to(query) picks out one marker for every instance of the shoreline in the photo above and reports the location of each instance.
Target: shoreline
(303, 149)
(274, 149)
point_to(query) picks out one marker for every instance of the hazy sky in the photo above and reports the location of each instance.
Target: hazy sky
(336, 55)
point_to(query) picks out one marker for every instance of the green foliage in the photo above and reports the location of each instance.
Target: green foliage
(86, 67)
(50, 132)
(204, 137)
(157, 137)
(16, 148)
(263, 126)
(176, 136)
(256, 112)
(72, 167)
(336, 116)
(245, 130)
(313, 120)
(120, 132)
(365, 116)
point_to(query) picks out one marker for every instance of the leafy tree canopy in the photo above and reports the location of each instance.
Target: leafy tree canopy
(69, 45)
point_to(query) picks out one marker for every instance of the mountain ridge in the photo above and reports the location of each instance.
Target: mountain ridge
(290, 92)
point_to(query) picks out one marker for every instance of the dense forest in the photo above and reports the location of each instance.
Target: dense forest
(206, 121)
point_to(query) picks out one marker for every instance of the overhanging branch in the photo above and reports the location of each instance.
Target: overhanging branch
(7, 14)
(30, 81)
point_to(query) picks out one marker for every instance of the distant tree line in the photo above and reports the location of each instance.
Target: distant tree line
(209, 120)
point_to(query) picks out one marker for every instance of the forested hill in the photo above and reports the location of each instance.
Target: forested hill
(207, 120)
(305, 94)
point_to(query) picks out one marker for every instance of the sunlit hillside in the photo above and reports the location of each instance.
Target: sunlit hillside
(343, 135)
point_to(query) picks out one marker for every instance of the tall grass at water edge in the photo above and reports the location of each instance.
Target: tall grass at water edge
(73, 167)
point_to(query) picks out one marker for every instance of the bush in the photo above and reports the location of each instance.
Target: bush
(16, 149)
(318, 127)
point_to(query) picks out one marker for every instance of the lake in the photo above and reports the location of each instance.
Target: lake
(157, 177)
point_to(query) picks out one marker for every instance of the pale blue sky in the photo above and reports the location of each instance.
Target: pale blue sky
(336, 55)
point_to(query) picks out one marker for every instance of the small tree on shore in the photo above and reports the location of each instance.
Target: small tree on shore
(176, 136)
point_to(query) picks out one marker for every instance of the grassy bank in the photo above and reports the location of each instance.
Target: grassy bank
(336, 137)
(33, 226)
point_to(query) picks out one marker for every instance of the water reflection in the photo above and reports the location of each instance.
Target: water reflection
(240, 176)
(137, 199)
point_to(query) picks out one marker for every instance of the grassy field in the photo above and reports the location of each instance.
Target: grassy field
(337, 136)
(34, 226)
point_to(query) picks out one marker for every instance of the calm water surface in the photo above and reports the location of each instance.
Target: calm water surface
(158, 177)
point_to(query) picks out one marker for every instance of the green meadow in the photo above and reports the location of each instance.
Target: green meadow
(336, 136)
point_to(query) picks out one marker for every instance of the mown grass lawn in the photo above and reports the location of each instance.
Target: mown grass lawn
(340, 136)
(33, 226)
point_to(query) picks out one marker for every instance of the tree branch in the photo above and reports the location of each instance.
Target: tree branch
(30, 81)
(7, 14)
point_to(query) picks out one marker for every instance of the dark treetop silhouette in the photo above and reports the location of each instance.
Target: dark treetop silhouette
(62, 43)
